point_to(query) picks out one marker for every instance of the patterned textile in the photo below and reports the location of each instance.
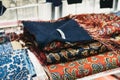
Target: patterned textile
(54, 46)
(84, 67)
(65, 32)
(104, 25)
(41, 30)
(57, 46)
(56, 51)
(62, 43)
(81, 51)
(14, 64)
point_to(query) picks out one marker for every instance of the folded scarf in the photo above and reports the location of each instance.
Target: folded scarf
(63, 30)
(54, 46)
(102, 27)
(84, 67)
(80, 51)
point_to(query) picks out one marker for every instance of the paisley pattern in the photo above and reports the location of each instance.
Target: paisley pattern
(84, 67)
(54, 46)
(81, 51)
(14, 64)
(57, 46)
(102, 27)
(76, 60)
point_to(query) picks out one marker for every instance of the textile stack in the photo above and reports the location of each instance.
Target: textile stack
(76, 45)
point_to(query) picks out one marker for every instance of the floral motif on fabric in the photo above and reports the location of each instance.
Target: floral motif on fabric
(14, 64)
(84, 67)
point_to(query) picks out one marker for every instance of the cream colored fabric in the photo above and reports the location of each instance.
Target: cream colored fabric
(16, 45)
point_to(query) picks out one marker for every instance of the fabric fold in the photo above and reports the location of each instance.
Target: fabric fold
(43, 35)
(102, 27)
(76, 47)
(74, 53)
(84, 67)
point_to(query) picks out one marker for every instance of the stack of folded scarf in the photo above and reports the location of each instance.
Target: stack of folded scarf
(75, 46)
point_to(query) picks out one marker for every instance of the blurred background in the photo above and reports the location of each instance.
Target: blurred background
(48, 10)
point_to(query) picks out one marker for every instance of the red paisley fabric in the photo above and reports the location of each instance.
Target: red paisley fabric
(84, 67)
(105, 30)
(74, 53)
(102, 27)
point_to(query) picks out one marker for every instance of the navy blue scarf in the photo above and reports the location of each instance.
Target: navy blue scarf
(64, 30)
